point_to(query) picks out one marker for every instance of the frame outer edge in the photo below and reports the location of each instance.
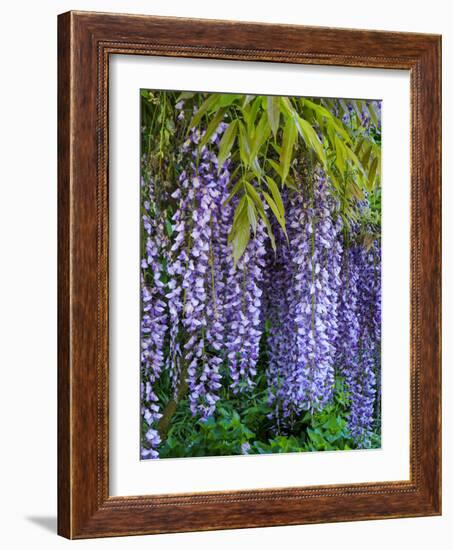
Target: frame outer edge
(82, 510)
(64, 527)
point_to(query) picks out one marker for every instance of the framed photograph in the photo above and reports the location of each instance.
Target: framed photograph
(249, 275)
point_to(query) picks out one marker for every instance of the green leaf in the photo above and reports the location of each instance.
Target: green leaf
(244, 145)
(241, 208)
(259, 206)
(366, 156)
(249, 114)
(275, 210)
(212, 127)
(372, 113)
(206, 106)
(356, 108)
(340, 128)
(261, 133)
(344, 107)
(228, 99)
(349, 153)
(339, 160)
(184, 96)
(359, 145)
(289, 182)
(241, 235)
(273, 187)
(319, 109)
(273, 113)
(253, 193)
(251, 214)
(372, 173)
(311, 138)
(227, 142)
(289, 139)
(277, 167)
(238, 185)
(246, 100)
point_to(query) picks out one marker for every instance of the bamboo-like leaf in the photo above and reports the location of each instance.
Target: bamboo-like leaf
(277, 148)
(340, 128)
(359, 146)
(253, 193)
(289, 182)
(311, 139)
(322, 111)
(277, 167)
(262, 212)
(330, 104)
(249, 114)
(251, 214)
(244, 145)
(212, 127)
(256, 168)
(185, 95)
(355, 191)
(274, 208)
(289, 139)
(344, 107)
(340, 154)
(241, 208)
(273, 187)
(227, 142)
(247, 99)
(353, 102)
(206, 106)
(261, 133)
(228, 99)
(241, 236)
(273, 113)
(373, 172)
(372, 113)
(239, 185)
(349, 153)
(366, 156)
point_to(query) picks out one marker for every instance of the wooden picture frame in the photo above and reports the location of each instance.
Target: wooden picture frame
(85, 42)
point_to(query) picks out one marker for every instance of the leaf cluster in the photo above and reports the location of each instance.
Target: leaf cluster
(244, 427)
(266, 138)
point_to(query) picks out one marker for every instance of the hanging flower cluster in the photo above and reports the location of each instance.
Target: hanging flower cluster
(243, 312)
(304, 303)
(214, 305)
(359, 336)
(154, 319)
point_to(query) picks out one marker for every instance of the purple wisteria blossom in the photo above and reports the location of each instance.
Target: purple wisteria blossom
(359, 337)
(214, 303)
(243, 311)
(154, 320)
(304, 303)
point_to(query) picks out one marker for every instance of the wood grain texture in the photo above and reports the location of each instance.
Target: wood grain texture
(85, 42)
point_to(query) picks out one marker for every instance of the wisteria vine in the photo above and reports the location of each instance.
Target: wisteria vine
(313, 300)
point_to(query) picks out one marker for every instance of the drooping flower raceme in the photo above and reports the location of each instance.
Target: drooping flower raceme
(154, 320)
(302, 352)
(359, 337)
(195, 299)
(214, 303)
(243, 311)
